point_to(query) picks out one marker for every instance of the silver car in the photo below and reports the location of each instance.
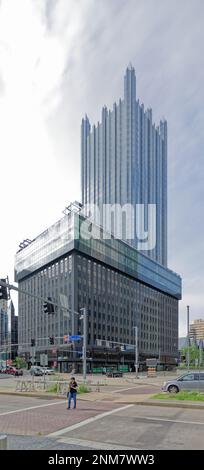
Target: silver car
(189, 381)
(48, 371)
(36, 370)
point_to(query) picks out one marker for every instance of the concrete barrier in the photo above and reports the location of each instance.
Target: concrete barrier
(3, 442)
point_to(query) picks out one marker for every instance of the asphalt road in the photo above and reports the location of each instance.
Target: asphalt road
(35, 423)
(142, 427)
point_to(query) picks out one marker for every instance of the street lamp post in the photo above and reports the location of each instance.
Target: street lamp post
(188, 340)
(136, 351)
(84, 317)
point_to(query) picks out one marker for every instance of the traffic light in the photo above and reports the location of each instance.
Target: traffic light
(32, 342)
(66, 338)
(52, 340)
(48, 307)
(3, 291)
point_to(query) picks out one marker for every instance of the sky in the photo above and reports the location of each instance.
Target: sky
(60, 59)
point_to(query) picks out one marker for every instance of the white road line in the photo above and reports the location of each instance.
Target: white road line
(121, 390)
(87, 421)
(169, 420)
(130, 388)
(31, 408)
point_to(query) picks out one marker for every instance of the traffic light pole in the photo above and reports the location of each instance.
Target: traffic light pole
(67, 312)
(44, 300)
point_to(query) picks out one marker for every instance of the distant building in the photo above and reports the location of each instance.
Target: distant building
(3, 327)
(8, 330)
(182, 343)
(3, 322)
(197, 329)
(12, 331)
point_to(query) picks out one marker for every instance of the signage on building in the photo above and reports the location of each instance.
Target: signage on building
(43, 360)
(152, 362)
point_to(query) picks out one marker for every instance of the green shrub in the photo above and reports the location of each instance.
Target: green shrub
(83, 389)
(53, 388)
(192, 396)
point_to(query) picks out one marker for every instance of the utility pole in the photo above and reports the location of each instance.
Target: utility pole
(84, 317)
(136, 351)
(200, 354)
(188, 340)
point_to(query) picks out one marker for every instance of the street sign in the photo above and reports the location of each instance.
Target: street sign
(152, 362)
(64, 301)
(43, 360)
(75, 338)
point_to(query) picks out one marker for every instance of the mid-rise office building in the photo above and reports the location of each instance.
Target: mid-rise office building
(120, 288)
(124, 161)
(197, 329)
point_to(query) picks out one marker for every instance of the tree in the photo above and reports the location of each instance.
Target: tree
(19, 362)
(194, 354)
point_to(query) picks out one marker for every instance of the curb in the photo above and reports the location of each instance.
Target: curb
(197, 406)
(191, 406)
(32, 395)
(37, 395)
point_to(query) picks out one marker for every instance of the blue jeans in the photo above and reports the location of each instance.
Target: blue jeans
(72, 395)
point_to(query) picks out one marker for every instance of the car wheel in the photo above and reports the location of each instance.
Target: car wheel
(173, 389)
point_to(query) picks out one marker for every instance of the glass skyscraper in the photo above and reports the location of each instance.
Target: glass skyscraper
(124, 161)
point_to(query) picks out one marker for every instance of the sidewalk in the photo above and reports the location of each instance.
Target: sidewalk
(137, 399)
(40, 443)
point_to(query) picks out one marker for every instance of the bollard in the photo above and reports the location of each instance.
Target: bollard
(3, 442)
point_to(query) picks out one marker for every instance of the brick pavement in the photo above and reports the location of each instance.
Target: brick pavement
(46, 419)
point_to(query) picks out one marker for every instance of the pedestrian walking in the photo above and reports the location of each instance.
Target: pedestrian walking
(72, 392)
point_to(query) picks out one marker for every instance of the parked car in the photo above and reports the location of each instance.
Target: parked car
(190, 381)
(36, 371)
(114, 373)
(48, 370)
(12, 371)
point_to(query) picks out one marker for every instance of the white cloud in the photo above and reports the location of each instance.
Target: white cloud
(60, 59)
